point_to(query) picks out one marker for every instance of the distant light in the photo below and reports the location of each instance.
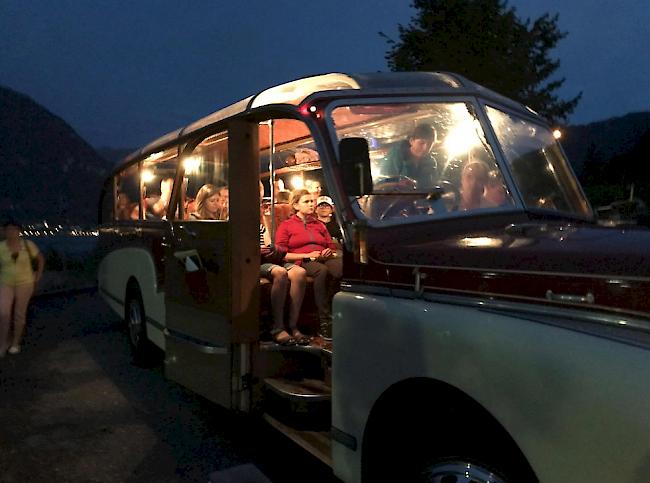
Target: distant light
(462, 138)
(155, 156)
(192, 164)
(147, 175)
(312, 108)
(557, 134)
(297, 182)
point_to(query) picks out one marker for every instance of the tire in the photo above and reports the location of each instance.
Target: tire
(136, 328)
(469, 449)
(459, 469)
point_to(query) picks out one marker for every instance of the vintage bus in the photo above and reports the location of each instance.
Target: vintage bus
(486, 328)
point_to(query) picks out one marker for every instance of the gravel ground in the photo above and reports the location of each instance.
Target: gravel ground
(73, 408)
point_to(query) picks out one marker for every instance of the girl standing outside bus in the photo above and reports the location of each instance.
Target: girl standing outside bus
(17, 283)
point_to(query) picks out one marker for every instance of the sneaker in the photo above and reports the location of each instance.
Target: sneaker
(14, 349)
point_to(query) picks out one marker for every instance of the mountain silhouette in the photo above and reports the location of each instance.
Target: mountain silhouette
(47, 171)
(601, 141)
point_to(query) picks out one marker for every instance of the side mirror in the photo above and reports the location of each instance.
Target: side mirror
(355, 164)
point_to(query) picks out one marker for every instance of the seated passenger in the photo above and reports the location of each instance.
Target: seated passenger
(309, 245)
(209, 203)
(412, 158)
(157, 206)
(314, 187)
(125, 209)
(223, 203)
(495, 193)
(473, 178)
(280, 273)
(282, 196)
(325, 213)
(190, 207)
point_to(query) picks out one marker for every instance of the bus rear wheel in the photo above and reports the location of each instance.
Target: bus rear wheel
(135, 321)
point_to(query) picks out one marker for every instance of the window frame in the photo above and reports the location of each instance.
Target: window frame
(499, 160)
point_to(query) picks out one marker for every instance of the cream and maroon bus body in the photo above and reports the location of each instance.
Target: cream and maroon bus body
(507, 341)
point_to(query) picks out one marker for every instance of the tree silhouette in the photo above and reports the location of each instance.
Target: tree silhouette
(485, 41)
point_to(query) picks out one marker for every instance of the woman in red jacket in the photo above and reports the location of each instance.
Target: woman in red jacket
(309, 244)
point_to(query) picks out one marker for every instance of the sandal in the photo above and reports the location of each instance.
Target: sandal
(283, 338)
(301, 339)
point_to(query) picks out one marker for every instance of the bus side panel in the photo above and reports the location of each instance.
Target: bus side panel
(115, 270)
(575, 403)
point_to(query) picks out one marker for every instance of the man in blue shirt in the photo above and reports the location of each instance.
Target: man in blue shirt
(412, 158)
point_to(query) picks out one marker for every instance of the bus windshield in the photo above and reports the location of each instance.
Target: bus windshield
(433, 160)
(537, 164)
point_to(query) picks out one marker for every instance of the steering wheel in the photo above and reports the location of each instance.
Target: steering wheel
(394, 205)
(444, 197)
(441, 199)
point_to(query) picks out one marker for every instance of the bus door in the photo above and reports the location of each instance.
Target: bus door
(212, 264)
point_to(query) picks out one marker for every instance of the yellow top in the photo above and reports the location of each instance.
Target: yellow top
(17, 272)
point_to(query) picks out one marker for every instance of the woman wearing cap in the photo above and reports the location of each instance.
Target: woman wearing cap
(17, 283)
(325, 212)
(309, 244)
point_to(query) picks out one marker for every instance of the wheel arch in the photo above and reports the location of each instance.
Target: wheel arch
(429, 405)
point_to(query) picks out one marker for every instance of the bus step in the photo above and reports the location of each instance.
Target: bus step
(324, 352)
(303, 404)
(318, 443)
(312, 390)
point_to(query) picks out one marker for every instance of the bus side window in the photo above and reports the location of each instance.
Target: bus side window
(157, 177)
(128, 194)
(205, 190)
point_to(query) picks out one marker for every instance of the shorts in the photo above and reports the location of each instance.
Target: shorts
(265, 268)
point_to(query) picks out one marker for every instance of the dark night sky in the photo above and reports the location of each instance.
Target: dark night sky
(122, 72)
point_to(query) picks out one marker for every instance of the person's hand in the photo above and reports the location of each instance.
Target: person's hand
(315, 255)
(327, 253)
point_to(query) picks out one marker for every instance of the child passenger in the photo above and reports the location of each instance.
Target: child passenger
(280, 274)
(211, 203)
(309, 244)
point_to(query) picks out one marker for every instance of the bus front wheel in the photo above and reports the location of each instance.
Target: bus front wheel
(458, 470)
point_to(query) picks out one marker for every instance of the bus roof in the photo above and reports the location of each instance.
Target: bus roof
(296, 91)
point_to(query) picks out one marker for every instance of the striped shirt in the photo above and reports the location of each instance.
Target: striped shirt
(262, 233)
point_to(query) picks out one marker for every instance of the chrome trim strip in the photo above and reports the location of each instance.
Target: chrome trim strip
(155, 323)
(344, 438)
(509, 271)
(198, 344)
(365, 288)
(617, 327)
(114, 298)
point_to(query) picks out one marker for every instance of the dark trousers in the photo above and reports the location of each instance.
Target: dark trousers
(326, 275)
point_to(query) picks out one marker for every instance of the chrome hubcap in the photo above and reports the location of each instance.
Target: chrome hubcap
(135, 322)
(460, 472)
